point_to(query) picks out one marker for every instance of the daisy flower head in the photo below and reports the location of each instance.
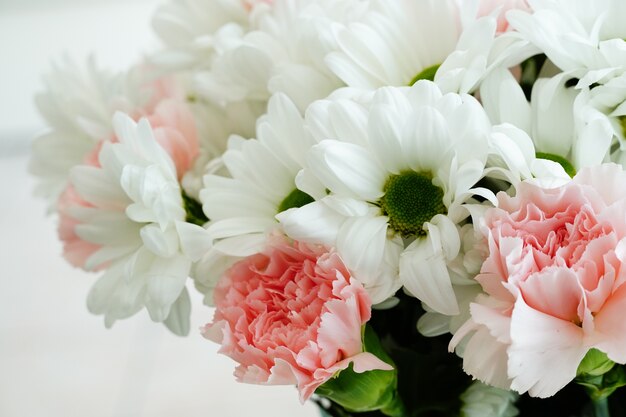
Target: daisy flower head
(398, 172)
(486, 43)
(126, 210)
(395, 43)
(600, 116)
(583, 38)
(282, 51)
(548, 118)
(261, 183)
(77, 105)
(188, 30)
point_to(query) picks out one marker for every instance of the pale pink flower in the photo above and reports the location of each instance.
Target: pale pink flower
(292, 315)
(554, 280)
(502, 6)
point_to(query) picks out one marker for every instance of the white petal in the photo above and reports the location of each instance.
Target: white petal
(239, 226)
(244, 245)
(424, 274)
(195, 241)
(178, 319)
(315, 223)
(163, 243)
(347, 169)
(504, 100)
(361, 245)
(166, 280)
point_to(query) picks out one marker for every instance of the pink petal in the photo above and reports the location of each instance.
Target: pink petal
(545, 351)
(611, 326)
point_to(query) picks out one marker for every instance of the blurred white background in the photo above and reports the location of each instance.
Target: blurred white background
(57, 360)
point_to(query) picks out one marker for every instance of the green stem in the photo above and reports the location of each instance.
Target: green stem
(601, 407)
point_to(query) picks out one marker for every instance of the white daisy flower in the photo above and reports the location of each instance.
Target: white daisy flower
(548, 118)
(262, 183)
(283, 51)
(132, 210)
(480, 50)
(398, 170)
(583, 38)
(77, 105)
(188, 29)
(600, 116)
(395, 43)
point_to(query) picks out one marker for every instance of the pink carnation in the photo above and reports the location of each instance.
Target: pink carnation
(554, 280)
(292, 315)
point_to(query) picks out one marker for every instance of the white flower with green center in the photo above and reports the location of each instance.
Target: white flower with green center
(583, 38)
(548, 119)
(395, 43)
(398, 172)
(262, 183)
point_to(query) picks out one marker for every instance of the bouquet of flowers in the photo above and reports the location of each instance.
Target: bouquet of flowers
(401, 207)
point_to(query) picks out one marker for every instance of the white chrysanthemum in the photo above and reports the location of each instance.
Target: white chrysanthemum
(399, 169)
(600, 116)
(395, 43)
(215, 125)
(283, 52)
(189, 28)
(133, 211)
(77, 105)
(548, 118)
(574, 127)
(481, 400)
(263, 170)
(584, 38)
(479, 51)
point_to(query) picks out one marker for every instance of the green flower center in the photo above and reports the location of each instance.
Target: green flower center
(426, 74)
(411, 199)
(567, 165)
(295, 199)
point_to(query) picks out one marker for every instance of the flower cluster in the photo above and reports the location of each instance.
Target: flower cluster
(353, 184)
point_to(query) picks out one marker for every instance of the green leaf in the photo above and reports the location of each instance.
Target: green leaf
(367, 391)
(602, 386)
(595, 363)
